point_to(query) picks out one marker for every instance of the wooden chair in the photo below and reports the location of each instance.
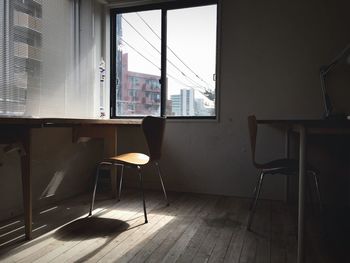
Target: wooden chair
(153, 129)
(279, 166)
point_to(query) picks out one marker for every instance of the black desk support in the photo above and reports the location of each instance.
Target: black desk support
(305, 128)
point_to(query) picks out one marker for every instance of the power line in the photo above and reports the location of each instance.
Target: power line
(138, 52)
(140, 34)
(174, 78)
(144, 21)
(155, 48)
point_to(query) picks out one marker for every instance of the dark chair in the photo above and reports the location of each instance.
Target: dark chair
(153, 129)
(280, 166)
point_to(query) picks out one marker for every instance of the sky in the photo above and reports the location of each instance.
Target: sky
(191, 37)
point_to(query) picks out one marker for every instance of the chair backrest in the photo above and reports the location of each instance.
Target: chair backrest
(153, 128)
(253, 129)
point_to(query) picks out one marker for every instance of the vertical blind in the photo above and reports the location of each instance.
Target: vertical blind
(41, 50)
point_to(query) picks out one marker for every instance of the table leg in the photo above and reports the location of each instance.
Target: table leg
(301, 201)
(287, 144)
(109, 134)
(287, 155)
(26, 183)
(110, 151)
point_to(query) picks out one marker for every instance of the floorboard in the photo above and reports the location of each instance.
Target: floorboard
(194, 228)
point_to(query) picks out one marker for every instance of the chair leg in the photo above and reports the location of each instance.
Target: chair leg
(254, 191)
(308, 193)
(120, 183)
(251, 215)
(94, 192)
(143, 194)
(161, 181)
(318, 191)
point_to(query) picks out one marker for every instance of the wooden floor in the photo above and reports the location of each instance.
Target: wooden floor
(194, 228)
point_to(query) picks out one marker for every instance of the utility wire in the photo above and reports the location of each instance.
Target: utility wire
(144, 21)
(140, 35)
(171, 63)
(138, 52)
(174, 78)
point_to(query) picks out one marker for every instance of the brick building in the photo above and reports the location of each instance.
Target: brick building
(139, 93)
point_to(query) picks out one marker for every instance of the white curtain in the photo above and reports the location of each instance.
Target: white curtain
(50, 65)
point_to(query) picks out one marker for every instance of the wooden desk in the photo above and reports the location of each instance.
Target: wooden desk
(304, 128)
(17, 131)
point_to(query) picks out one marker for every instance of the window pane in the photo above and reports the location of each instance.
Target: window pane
(20, 48)
(138, 63)
(41, 50)
(191, 60)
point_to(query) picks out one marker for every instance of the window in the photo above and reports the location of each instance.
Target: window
(168, 53)
(41, 48)
(133, 93)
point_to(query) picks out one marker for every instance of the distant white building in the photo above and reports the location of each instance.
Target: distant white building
(183, 104)
(176, 105)
(199, 107)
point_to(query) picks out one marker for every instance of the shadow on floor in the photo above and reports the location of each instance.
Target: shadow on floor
(90, 227)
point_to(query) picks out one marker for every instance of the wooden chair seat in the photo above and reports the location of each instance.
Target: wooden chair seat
(132, 158)
(153, 129)
(284, 166)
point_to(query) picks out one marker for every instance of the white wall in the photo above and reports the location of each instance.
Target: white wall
(271, 52)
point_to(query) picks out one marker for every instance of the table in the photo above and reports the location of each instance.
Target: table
(305, 128)
(17, 131)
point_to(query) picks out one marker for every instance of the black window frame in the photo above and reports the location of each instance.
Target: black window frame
(163, 7)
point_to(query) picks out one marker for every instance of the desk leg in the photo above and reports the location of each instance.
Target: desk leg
(109, 134)
(26, 183)
(301, 204)
(110, 151)
(287, 155)
(287, 144)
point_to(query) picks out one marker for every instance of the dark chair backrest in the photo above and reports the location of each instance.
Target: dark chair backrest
(153, 128)
(253, 129)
